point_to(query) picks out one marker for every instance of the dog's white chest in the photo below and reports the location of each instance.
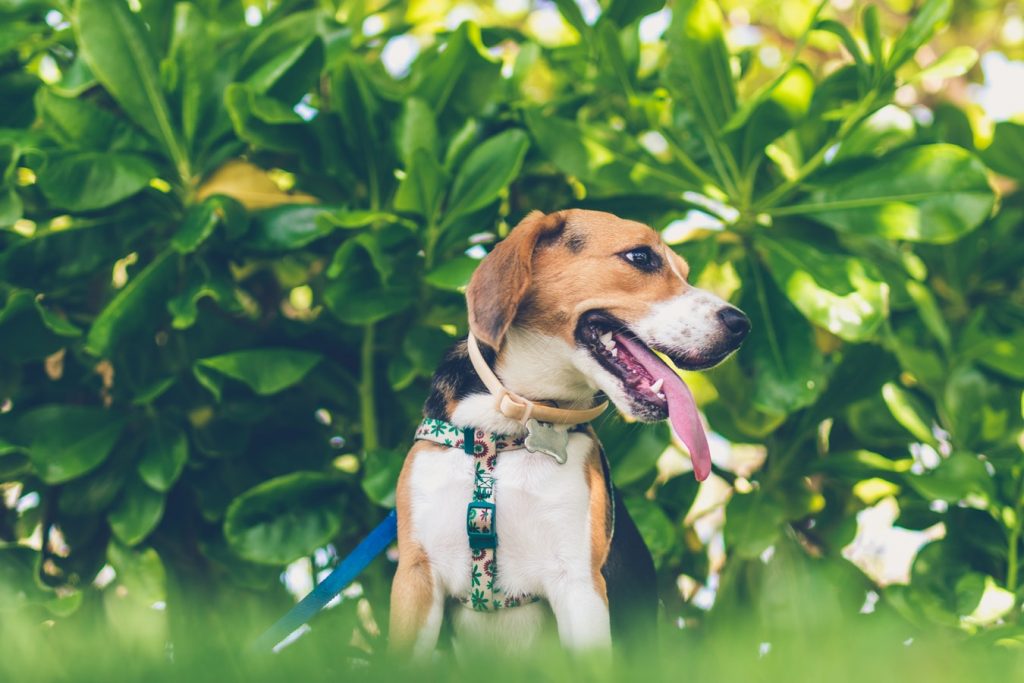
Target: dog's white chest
(542, 517)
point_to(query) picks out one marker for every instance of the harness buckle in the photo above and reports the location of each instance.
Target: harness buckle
(480, 525)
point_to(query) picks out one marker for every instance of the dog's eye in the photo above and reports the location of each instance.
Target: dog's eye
(643, 258)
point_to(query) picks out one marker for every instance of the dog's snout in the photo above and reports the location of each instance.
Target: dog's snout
(735, 322)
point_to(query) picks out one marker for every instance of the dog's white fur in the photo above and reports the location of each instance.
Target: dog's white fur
(687, 321)
(544, 521)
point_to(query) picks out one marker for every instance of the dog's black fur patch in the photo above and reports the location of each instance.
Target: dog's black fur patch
(632, 586)
(454, 380)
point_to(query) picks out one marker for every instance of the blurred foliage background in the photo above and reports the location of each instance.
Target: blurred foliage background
(233, 242)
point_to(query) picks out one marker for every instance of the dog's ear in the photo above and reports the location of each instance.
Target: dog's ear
(502, 278)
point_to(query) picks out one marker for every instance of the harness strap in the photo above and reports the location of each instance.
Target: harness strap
(481, 513)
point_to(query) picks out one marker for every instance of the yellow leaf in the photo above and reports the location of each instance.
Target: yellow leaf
(250, 185)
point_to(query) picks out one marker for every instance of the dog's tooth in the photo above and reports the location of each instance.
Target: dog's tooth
(606, 339)
(614, 352)
(656, 387)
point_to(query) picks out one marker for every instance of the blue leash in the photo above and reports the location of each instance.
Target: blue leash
(346, 571)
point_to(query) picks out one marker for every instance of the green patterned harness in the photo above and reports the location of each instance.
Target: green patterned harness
(485, 593)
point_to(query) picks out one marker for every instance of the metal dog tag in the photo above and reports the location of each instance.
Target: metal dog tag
(542, 437)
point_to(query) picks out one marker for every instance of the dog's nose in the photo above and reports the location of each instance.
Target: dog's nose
(734, 321)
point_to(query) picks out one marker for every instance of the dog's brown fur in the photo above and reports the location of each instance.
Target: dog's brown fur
(553, 267)
(413, 586)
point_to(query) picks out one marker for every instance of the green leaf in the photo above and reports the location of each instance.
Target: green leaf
(1002, 354)
(150, 392)
(79, 124)
(873, 33)
(136, 513)
(119, 51)
(136, 308)
(140, 571)
(353, 219)
(954, 62)
(488, 170)
(284, 228)
(780, 356)
(610, 56)
(454, 275)
(164, 454)
(610, 160)
(698, 72)
(284, 518)
(421, 189)
(65, 442)
(860, 373)
(424, 347)
(1006, 153)
(849, 42)
(910, 412)
(6, 447)
(416, 130)
(887, 129)
(199, 223)
(931, 193)
(86, 181)
(56, 324)
(203, 281)
(75, 78)
(265, 371)
(28, 333)
(571, 11)
(359, 296)
(463, 76)
(931, 314)
(11, 207)
(960, 477)
(386, 247)
(919, 31)
(23, 335)
(859, 464)
(94, 492)
(655, 527)
(632, 449)
(277, 49)
(781, 109)
(19, 567)
(753, 522)
(841, 293)
(401, 372)
(380, 475)
(265, 122)
(977, 409)
(192, 49)
(754, 102)
(625, 12)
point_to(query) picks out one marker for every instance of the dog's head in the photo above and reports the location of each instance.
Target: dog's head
(612, 291)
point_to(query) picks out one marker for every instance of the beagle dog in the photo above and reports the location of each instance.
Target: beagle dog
(569, 307)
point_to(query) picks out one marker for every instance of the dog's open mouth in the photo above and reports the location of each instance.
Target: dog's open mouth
(649, 381)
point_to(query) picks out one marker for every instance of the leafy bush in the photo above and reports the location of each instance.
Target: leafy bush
(232, 256)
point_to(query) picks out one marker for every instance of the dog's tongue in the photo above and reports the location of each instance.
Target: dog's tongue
(682, 409)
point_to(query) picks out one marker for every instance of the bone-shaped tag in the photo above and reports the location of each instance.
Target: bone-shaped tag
(542, 437)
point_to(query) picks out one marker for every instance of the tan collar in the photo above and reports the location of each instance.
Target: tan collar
(515, 407)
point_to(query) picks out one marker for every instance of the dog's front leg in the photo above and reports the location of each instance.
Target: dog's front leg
(582, 614)
(417, 606)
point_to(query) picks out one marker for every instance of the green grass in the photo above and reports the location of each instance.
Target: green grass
(132, 646)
